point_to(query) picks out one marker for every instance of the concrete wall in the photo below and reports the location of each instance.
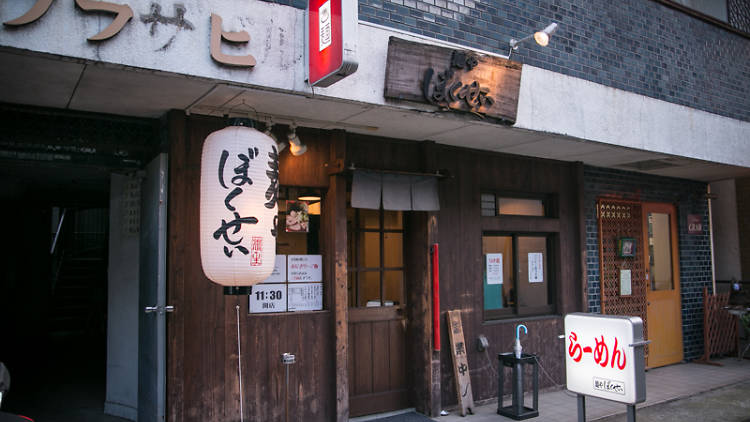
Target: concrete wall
(726, 232)
(552, 98)
(122, 310)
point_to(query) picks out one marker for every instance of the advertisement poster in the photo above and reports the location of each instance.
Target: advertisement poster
(306, 297)
(297, 217)
(536, 267)
(494, 263)
(305, 268)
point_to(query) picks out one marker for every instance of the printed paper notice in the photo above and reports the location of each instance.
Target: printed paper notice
(305, 268)
(494, 268)
(324, 25)
(279, 271)
(268, 298)
(536, 267)
(626, 287)
(306, 297)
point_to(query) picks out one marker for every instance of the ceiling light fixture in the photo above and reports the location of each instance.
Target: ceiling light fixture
(541, 38)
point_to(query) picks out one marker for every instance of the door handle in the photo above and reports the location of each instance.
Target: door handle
(159, 309)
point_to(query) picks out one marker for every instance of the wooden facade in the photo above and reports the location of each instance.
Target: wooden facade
(202, 381)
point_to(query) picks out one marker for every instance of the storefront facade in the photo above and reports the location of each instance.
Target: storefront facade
(551, 184)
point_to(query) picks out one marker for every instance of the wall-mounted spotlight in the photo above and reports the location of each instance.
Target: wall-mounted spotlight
(541, 38)
(296, 147)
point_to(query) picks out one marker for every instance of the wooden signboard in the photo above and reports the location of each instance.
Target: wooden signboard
(460, 363)
(458, 80)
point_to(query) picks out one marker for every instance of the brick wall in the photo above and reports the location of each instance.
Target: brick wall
(694, 250)
(639, 46)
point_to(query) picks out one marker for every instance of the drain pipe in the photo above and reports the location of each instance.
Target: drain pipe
(711, 237)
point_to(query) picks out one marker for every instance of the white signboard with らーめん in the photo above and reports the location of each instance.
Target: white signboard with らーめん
(604, 357)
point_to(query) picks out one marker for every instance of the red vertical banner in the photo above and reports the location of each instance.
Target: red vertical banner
(436, 297)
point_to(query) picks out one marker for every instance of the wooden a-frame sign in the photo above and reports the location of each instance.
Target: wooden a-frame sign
(460, 363)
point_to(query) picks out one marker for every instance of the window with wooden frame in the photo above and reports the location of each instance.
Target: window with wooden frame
(376, 257)
(518, 274)
(519, 245)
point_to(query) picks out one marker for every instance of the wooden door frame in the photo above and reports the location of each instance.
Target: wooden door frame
(671, 210)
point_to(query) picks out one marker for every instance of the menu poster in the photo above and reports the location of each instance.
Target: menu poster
(305, 297)
(305, 268)
(494, 268)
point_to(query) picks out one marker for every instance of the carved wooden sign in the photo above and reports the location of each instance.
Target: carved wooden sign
(453, 79)
(460, 363)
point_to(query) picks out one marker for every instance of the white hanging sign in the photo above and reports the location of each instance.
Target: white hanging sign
(305, 268)
(305, 297)
(268, 298)
(279, 271)
(494, 264)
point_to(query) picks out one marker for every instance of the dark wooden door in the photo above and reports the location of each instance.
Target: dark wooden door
(377, 323)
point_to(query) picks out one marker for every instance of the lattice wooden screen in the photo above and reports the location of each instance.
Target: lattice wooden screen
(619, 219)
(719, 326)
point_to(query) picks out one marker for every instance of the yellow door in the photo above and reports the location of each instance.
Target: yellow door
(664, 318)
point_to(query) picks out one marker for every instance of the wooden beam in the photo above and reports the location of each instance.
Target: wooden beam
(335, 204)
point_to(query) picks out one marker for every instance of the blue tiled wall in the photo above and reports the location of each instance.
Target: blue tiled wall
(639, 46)
(636, 45)
(694, 250)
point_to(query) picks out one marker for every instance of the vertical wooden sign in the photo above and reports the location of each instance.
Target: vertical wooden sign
(460, 363)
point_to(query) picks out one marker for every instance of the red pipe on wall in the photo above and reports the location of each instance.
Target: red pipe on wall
(435, 297)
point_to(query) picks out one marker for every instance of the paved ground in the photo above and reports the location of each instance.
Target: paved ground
(727, 404)
(663, 385)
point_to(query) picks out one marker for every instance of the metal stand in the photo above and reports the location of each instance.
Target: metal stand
(581, 408)
(517, 410)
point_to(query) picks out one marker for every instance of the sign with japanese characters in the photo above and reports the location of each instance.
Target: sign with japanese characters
(460, 362)
(331, 40)
(604, 357)
(305, 268)
(494, 262)
(305, 297)
(268, 298)
(695, 224)
(451, 79)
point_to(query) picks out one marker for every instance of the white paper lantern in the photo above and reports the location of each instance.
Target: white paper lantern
(238, 212)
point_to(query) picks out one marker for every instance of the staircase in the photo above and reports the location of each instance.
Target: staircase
(79, 285)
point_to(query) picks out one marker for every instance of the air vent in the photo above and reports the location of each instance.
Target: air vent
(647, 165)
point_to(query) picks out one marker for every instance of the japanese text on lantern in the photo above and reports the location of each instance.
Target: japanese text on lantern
(239, 180)
(600, 353)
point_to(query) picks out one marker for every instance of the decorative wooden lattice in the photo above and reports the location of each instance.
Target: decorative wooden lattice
(719, 326)
(619, 219)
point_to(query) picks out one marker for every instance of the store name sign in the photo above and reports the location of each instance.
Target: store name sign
(122, 14)
(456, 80)
(331, 40)
(604, 357)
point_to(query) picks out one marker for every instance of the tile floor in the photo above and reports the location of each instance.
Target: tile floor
(662, 385)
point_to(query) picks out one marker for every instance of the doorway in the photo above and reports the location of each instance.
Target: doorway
(663, 284)
(377, 305)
